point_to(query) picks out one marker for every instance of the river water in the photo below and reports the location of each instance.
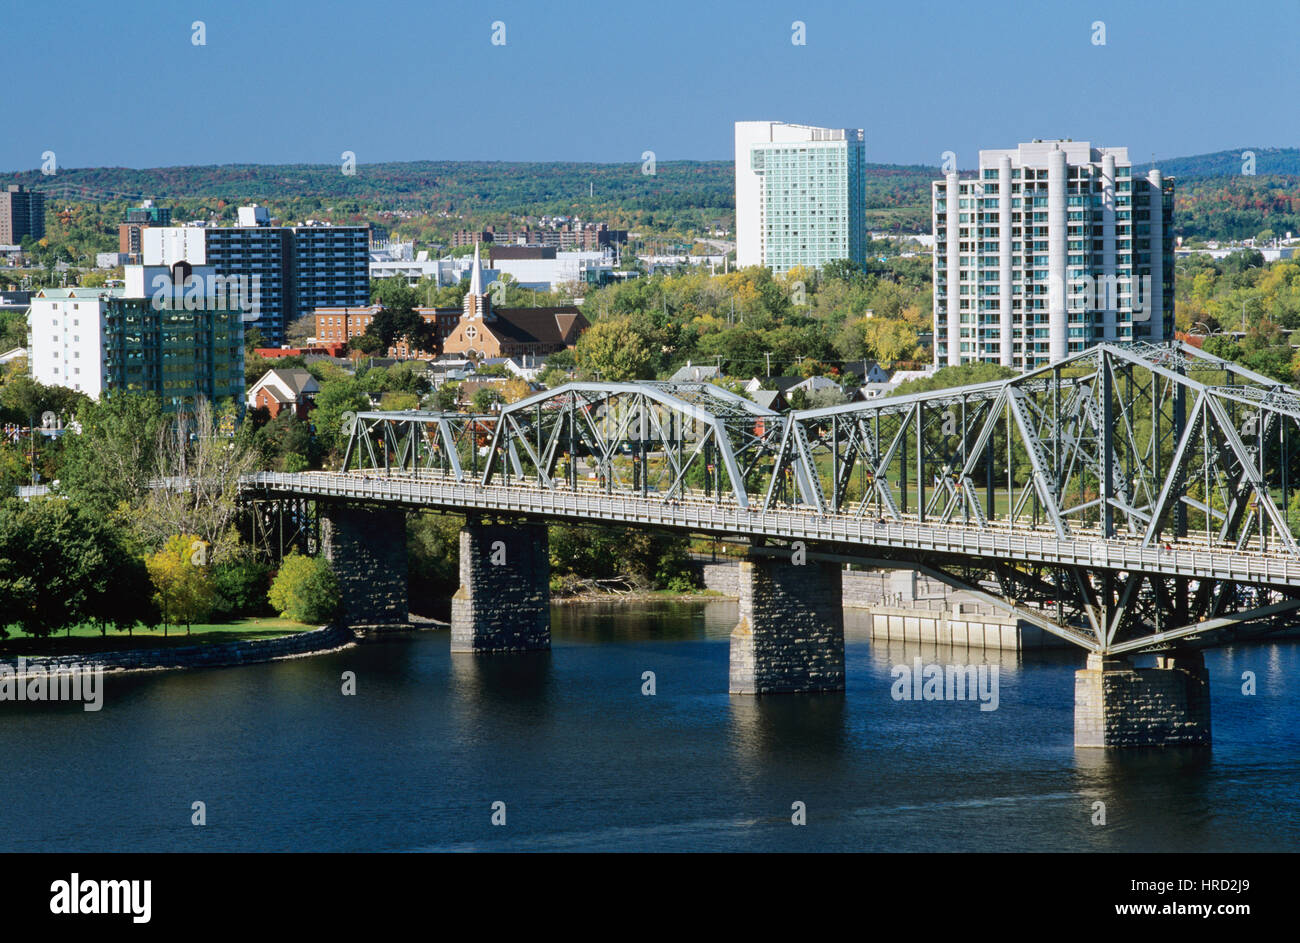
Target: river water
(583, 760)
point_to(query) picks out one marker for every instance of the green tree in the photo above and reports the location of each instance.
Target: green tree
(335, 399)
(240, 586)
(286, 440)
(48, 561)
(366, 343)
(484, 398)
(109, 462)
(616, 349)
(305, 589)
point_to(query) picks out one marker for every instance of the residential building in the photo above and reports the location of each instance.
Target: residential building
(139, 218)
(22, 214)
(293, 269)
(567, 235)
(134, 338)
(1050, 248)
(527, 367)
(14, 300)
(695, 373)
(800, 195)
(278, 390)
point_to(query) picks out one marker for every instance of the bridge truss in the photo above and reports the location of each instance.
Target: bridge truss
(1162, 451)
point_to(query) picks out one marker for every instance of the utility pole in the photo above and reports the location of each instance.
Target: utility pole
(31, 442)
(768, 354)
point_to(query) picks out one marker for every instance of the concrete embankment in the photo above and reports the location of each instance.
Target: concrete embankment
(212, 655)
(903, 607)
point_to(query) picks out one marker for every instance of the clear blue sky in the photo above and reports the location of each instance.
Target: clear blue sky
(121, 84)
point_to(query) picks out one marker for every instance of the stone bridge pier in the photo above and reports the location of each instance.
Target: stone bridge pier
(1119, 705)
(790, 638)
(366, 548)
(504, 600)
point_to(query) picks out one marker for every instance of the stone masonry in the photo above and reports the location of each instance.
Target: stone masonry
(367, 550)
(504, 600)
(790, 638)
(1118, 705)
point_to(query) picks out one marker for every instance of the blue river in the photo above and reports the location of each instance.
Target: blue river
(567, 749)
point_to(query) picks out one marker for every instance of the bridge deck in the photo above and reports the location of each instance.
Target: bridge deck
(987, 542)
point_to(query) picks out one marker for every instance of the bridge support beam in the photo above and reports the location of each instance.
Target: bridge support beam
(366, 548)
(504, 600)
(1117, 705)
(790, 638)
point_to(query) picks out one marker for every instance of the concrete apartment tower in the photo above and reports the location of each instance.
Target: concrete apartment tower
(799, 195)
(1050, 248)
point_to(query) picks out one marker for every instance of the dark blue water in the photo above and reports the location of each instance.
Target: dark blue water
(584, 761)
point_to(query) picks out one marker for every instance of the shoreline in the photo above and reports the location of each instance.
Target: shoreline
(318, 641)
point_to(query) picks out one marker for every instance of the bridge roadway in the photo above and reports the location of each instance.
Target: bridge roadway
(1188, 558)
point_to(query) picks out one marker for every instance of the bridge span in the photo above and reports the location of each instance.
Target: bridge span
(1131, 500)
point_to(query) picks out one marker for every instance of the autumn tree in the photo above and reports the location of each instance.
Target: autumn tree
(182, 580)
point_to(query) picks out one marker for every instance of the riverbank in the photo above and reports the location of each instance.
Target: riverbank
(89, 640)
(213, 654)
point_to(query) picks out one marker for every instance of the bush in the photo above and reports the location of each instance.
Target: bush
(305, 589)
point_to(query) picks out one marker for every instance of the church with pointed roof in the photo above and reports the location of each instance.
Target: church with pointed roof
(486, 331)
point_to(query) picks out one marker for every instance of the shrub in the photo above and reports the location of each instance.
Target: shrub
(305, 589)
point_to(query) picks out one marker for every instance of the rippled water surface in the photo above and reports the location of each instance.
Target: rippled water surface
(584, 761)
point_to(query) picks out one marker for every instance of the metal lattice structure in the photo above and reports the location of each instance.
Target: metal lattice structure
(1130, 498)
(1160, 445)
(639, 438)
(416, 442)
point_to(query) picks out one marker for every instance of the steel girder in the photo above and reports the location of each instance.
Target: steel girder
(415, 442)
(1149, 443)
(638, 438)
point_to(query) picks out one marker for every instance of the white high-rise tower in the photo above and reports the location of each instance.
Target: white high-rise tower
(799, 195)
(1050, 248)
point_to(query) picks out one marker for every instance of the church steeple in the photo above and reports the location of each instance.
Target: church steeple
(477, 303)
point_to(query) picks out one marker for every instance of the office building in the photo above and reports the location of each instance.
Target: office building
(22, 214)
(800, 197)
(293, 269)
(1050, 248)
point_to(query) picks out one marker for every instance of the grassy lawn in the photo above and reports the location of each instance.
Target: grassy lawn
(86, 638)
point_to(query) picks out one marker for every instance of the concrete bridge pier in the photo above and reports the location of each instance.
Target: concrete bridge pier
(504, 600)
(366, 548)
(1117, 705)
(790, 638)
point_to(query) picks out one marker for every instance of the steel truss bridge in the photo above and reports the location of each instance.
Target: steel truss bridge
(1128, 499)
